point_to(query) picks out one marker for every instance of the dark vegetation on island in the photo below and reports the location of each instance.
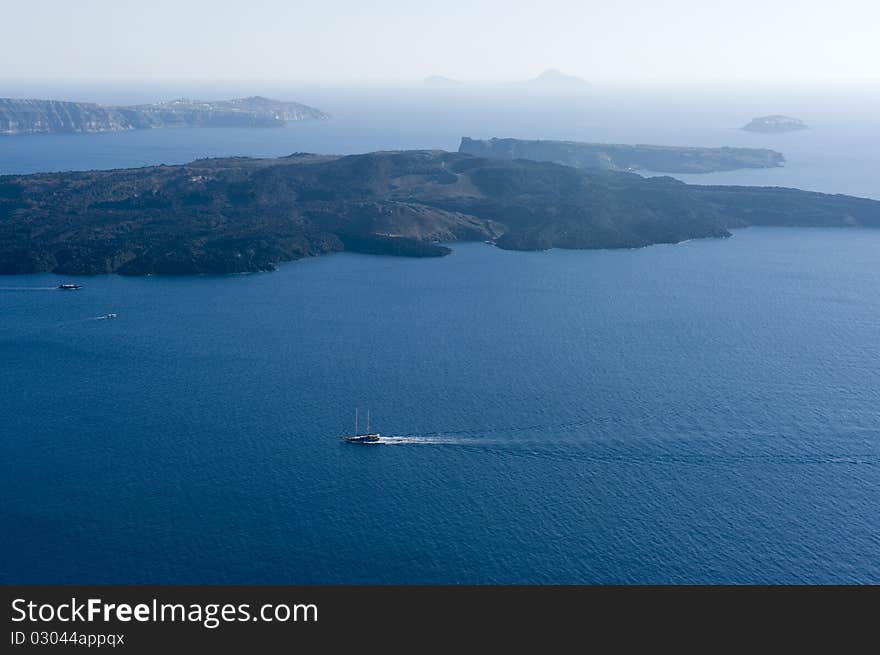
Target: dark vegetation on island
(51, 116)
(621, 157)
(239, 214)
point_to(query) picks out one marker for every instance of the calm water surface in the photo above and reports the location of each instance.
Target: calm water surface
(699, 413)
(705, 412)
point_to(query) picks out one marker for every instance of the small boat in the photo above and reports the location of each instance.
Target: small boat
(362, 438)
(107, 317)
(69, 287)
(366, 437)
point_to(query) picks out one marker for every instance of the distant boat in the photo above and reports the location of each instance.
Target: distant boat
(106, 317)
(366, 437)
(69, 287)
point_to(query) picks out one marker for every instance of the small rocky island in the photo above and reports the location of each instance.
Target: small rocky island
(51, 116)
(239, 214)
(775, 123)
(620, 157)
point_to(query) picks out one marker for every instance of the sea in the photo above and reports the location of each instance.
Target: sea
(697, 413)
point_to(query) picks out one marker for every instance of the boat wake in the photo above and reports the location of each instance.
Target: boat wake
(417, 440)
(90, 319)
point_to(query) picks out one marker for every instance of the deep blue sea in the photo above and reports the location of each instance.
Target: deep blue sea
(705, 412)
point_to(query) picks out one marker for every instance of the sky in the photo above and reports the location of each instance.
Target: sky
(476, 41)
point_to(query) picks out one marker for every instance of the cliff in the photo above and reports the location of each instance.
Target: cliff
(46, 116)
(49, 116)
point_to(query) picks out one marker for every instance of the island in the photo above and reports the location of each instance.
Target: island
(775, 123)
(552, 79)
(620, 157)
(52, 116)
(237, 215)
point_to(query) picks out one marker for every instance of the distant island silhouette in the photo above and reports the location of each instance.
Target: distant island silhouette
(775, 123)
(621, 157)
(552, 78)
(440, 80)
(50, 116)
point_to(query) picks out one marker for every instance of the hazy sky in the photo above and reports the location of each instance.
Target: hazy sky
(342, 40)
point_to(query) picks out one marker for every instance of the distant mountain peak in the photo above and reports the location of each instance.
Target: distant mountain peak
(554, 77)
(256, 100)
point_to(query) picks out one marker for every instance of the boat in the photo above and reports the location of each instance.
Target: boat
(69, 287)
(107, 317)
(364, 438)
